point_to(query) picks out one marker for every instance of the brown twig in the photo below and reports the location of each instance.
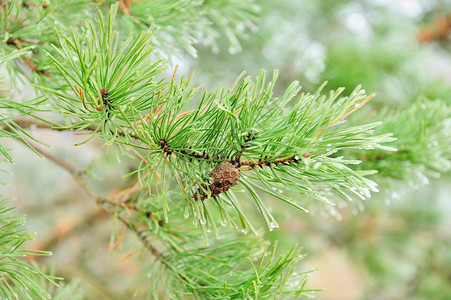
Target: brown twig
(26, 122)
(250, 136)
(438, 30)
(265, 162)
(77, 175)
(144, 237)
(125, 6)
(17, 43)
(107, 204)
(166, 148)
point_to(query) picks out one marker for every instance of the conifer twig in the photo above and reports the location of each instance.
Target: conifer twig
(103, 202)
(25, 122)
(125, 6)
(438, 30)
(17, 43)
(265, 162)
(140, 231)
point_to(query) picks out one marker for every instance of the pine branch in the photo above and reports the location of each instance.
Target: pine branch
(121, 93)
(438, 30)
(17, 43)
(183, 273)
(111, 206)
(245, 125)
(16, 19)
(107, 204)
(205, 21)
(423, 141)
(111, 85)
(248, 267)
(31, 123)
(279, 146)
(18, 279)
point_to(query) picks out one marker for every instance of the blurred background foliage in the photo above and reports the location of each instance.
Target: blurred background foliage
(397, 248)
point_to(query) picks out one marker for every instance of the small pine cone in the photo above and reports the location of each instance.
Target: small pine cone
(224, 177)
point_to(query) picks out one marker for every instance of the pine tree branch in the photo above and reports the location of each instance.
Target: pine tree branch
(107, 204)
(143, 236)
(17, 43)
(438, 30)
(125, 6)
(27, 122)
(263, 162)
(18, 279)
(104, 91)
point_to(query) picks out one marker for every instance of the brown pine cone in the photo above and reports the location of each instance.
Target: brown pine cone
(224, 177)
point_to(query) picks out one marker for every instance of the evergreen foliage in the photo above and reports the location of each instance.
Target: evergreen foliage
(201, 157)
(17, 278)
(423, 145)
(231, 270)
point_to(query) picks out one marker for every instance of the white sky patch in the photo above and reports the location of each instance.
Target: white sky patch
(314, 59)
(410, 8)
(357, 23)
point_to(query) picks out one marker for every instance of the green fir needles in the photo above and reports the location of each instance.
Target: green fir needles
(279, 145)
(236, 268)
(204, 22)
(109, 81)
(201, 157)
(17, 278)
(423, 143)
